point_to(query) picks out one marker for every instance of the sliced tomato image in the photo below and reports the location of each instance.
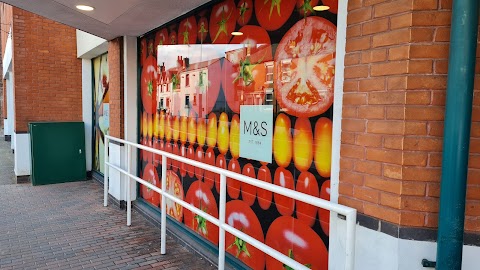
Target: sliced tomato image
(272, 14)
(202, 29)
(209, 177)
(200, 196)
(307, 183)
(149, 84)
(322, 145)
(323, 214)
(248, 191)
(333, 4)
(298, 241)
(240, 216)
(244, 70)
(264, 196)
(303, 144)
(174, 188)
(223, 136)
(187, 31)
(220, 162)
(244, 11)
(305, 7)
(284, 204)
(150, 175)
(222, 21)
(233, 186)
(282, 141)
(305, 67)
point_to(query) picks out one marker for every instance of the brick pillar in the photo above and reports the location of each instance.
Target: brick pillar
(115, 69)
(393, 110)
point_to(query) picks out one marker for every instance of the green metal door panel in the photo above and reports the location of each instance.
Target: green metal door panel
(58, 152)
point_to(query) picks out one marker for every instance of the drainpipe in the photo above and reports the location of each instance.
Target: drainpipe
(458, 118)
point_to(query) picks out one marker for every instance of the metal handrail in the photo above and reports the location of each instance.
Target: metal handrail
(349, 213)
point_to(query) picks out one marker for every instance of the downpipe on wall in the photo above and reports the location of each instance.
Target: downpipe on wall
(458, 118)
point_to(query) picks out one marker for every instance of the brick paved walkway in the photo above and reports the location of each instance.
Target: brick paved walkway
(7, 176)
(65, 226)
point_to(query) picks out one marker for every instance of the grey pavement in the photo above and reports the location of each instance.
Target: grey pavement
(7, 176)
(65, 226)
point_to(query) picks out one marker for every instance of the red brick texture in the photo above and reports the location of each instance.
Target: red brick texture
(393, 110)
(6, 21)
(47, 73)
(115, 70)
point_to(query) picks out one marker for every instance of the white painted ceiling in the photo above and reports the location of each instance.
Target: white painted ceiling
(110, 18)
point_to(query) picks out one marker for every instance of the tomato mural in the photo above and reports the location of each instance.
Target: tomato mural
(190, 106)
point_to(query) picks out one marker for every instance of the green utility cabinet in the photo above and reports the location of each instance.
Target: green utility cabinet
(57, 151)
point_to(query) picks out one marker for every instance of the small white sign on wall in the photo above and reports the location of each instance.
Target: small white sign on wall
(256, 131)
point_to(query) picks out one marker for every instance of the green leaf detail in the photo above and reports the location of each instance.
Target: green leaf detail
(290, 255)
(222, 24)
(274, 3)
(150, 88)
(306, 7)
(243, 9)
(241, 247)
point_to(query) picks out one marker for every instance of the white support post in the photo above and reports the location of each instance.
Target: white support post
(105, 176)
(127, 180)
(221, 242)
(163, 225)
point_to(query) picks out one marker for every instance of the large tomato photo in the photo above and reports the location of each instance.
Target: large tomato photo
(298, 241)
(240, 216)
(272, 14)
(222, 22)
(244, 69)
(150, 175)
(200, 196)
(149, 84)
(305, 67)
(187, 31)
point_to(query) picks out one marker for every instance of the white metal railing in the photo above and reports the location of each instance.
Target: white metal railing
(349, 213)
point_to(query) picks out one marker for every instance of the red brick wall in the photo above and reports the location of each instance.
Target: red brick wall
(47, 79)
(115, 69)
(394, 97)
(6, 21)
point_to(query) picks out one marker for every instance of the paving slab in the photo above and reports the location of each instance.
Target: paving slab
(7, 176)
(65, 226)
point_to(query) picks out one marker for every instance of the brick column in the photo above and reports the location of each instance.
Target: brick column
(393, 110)
(115, 69)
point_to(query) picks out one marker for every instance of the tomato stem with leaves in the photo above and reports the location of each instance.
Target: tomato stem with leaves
(202, 224)
(273, 4)
(290, 255)
(222, 24)
(202, 31)
(306, 7)
(243, 9)
(241, 246)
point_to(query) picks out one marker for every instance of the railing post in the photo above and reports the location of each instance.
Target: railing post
(350, 241)
(127, 188)
(105, 176)
(163, 225)
(221, 242)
